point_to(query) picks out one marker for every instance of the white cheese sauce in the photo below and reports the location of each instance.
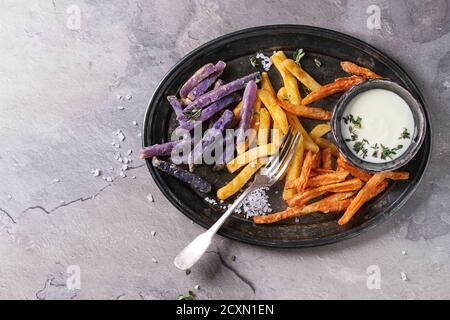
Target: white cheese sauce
(377, 125)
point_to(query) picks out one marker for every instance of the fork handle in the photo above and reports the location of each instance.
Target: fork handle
(216, 226)
(195, 250)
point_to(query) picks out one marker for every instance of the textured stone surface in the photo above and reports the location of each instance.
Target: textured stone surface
(59, 112)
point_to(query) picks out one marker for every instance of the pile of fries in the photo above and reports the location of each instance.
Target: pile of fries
(318, 179)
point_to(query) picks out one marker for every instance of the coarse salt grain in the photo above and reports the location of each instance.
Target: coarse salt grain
(211, 201)
(56, 180)
(154, 260)
(134, 123)
(403, 276)
(256, 203)
(153, 233)
(150, 197)
(120, 108)
(266, 62)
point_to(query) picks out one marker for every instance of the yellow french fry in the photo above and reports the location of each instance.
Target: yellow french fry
(282, 94)
(237, 111)
(277, 60)
(239, 181)
(320, 130)
(295, 123)
(251, 155)
(324, 143)
(300, 74)
(266, 84)
(277, 113)
(277, 135)
(294, 169)
(264, 127)
(290, 83)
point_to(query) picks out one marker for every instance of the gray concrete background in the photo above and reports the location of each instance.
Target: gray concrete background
(59, 110)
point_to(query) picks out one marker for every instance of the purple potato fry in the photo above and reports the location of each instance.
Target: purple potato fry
(224, 90)
(227, 151)
(163, 149)
(176, 105)
(210, 136)
(196, 78)
(205, 114)
(204, 85)
(218, 83)
(195, 181)
(248, 101)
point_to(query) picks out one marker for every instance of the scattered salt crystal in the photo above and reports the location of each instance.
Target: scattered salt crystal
(134, 123)
(9, 197)
(124, 167)
(133, 177)
(256, 203)
(129, 152)
(56, 180)
(122, 174)
(119, 97)
(197, 287)
(121, 136)
(403, 275)
(125, 160)
(192, 222)
(95, 172)
(120, 160)
(266, 62)
(211, 201)
(120, 108)
(153, 233)
(154, 260)
(109, 179)
(128, 97)
(150, 197)
(404, 252)
(62, 201)
(139, 134)
(296, 220)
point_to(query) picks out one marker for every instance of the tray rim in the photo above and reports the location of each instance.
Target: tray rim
(345, 235)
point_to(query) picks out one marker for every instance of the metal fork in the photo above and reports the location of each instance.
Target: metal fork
(267, 176)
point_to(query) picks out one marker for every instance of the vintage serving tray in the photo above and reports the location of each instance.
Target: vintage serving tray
(235, 49)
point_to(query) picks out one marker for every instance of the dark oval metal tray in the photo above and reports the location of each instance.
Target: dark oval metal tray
(330, 48)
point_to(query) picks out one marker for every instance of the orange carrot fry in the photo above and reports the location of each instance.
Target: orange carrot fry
(358, 173)
(306, 170)
(304, 111)
(370, 190)
(354, 69)
(334, 203)
(309, 194)
(339, 85)
(398, 175)
(317, 160)
(326, 158)
(328, 178)
(319, 171)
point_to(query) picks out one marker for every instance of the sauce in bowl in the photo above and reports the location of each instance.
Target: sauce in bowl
(377, 125)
